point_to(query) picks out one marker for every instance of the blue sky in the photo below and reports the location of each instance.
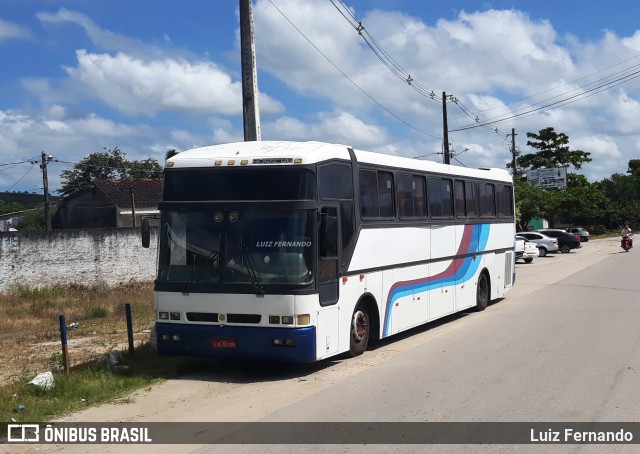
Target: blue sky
(146, 76)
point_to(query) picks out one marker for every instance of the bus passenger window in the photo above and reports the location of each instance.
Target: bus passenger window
(440, 197)
(461, 210)
(419, 196)
(470, 199)
(487, 200)
(368, 194)
(505, 201)
(376, 194)
(405, 196)
(385, 194)
(335, 181)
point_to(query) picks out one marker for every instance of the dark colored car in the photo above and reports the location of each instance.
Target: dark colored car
(566, 241)
(581, 232)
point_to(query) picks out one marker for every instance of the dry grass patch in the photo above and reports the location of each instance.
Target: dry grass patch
(29, 324)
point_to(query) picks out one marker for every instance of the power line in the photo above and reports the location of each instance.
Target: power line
(562, 102)
(351, 80)
(30, 168)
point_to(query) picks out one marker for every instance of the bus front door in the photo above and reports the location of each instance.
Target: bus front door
(328, 255)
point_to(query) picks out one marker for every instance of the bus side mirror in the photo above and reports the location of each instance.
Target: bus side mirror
(144, 231)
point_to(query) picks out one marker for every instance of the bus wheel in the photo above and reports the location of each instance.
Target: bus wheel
(360, 330)
(482, 292)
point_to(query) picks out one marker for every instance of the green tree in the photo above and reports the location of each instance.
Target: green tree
(33, 220)
(553, 151)
(582, 202)
(171, 152)
(147, 168)
(619, 187)
(109, 164)
(634, 167)
(529, 202)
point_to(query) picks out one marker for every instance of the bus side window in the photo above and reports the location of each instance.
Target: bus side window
(470, 198)
(487, 200)
(461, 210)
(440, 197)
(504, 201)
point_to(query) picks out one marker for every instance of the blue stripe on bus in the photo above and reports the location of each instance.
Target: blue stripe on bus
(452, 275)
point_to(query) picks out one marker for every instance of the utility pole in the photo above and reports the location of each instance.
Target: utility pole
(513, 151)
(45, 182)
(250, 111)
(133, 208)
(445, 150)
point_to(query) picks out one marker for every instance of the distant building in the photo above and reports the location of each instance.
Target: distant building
(538, 224)
(110, 203)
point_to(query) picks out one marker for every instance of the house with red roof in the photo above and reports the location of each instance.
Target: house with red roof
(110, 203)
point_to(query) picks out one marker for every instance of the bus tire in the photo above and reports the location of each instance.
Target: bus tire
(360, 331)
(483, 292)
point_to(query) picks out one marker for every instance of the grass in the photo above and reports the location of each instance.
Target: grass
(87, 384)
(95, 317)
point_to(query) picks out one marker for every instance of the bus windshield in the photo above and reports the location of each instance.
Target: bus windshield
(247, 246)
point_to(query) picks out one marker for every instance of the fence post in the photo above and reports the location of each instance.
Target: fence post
(127, 310)
(63, 339)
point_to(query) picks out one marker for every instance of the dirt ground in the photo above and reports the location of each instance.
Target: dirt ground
(31, 358)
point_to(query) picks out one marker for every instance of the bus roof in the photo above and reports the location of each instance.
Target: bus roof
(260, 153)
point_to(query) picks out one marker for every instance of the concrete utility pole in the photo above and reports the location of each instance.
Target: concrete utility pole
(250, 111)
(133, 208)
(445, 150)
(513, 151)
(45, 182)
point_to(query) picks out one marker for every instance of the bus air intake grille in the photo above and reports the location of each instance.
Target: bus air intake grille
(231, 318)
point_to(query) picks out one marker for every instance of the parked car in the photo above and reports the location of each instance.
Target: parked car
(529, 249)
(580, 231)
(519, 247)
(544, 243)
(566, 241)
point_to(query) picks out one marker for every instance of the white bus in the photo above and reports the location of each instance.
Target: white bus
(303, 250)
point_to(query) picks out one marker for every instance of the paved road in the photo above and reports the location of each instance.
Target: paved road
(563, 346)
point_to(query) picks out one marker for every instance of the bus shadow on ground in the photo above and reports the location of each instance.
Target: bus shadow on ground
(251, 371)
(255, 371)
(427, 327)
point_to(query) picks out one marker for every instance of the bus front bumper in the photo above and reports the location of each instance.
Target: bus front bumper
(241, 342)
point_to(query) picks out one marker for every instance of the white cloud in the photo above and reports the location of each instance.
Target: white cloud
(135, 86)
(105, 39)
(69, 139)
(338, 127)
(9, 30)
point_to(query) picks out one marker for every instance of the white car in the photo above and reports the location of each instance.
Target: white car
(525, 249)
(545, 244)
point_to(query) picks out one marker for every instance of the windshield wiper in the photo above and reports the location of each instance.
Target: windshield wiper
(252, 269)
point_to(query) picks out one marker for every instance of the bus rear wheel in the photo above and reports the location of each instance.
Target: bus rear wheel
(483, 292)
(360, 331)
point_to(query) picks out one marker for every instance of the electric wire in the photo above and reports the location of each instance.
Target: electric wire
(351, 80)
(30, 168)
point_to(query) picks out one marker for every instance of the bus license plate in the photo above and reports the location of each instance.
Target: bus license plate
(224, 343)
